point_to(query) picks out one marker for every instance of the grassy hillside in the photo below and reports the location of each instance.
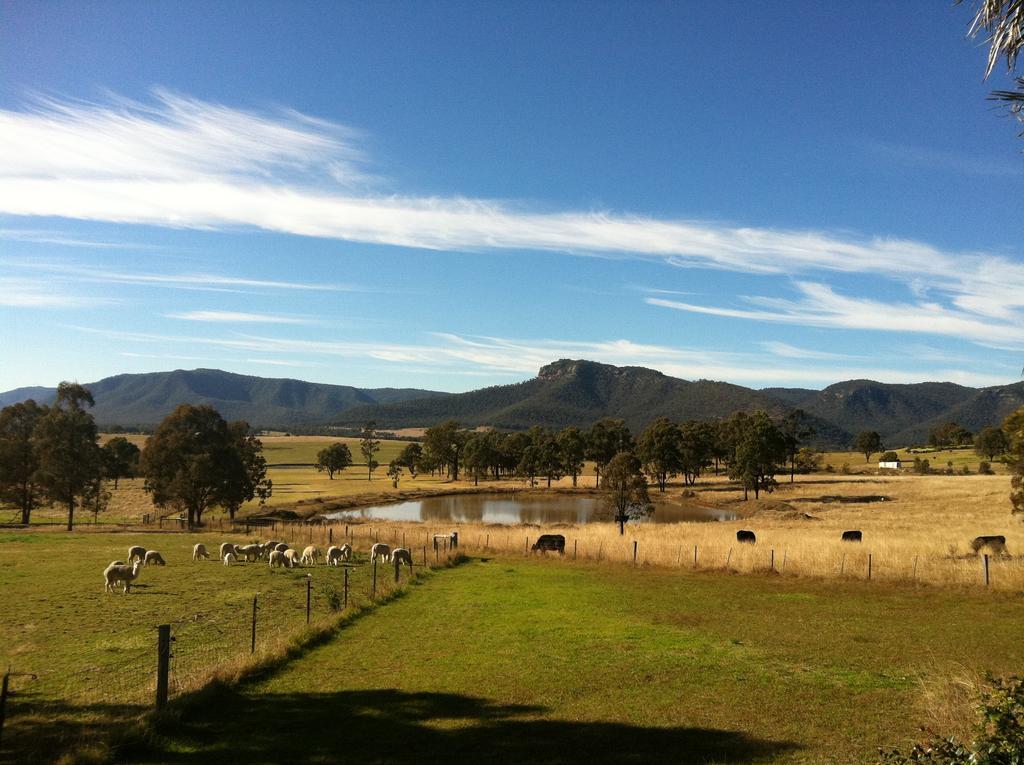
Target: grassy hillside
(989, 406)
(554, 662)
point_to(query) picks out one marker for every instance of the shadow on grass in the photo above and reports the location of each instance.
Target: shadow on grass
(391, 726)
(39, 730)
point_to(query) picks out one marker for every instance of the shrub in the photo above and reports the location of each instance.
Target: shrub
(889, 457)
(845, 468)
(829, 468)
(998, 734)
(964, 470)
(985, 468)
(949, 468)
(922, 466)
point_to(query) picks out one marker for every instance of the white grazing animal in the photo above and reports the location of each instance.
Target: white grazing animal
(199, 552)
(310, 556)
(346, 551)
(277, 560)
(251, 552)
(400, 555)
(333, 555)
(293, 558)
(382, 550)
(114, 573)
(230, 558)
(136, 551)
(227, 547)
(153, 558)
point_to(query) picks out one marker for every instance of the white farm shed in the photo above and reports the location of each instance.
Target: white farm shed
(892, 465)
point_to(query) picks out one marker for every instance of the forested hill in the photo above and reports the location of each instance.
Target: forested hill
(569, 392)
(566, 392)
(145, 399)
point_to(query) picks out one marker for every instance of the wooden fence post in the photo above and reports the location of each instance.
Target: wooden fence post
(773, 559)
(163, 663)
(254, 607)
(309, 595)
(986, 569)
(374, 593)
(869, 567)
(695, 556)
(915, 568)
(346, 589)
(728, 558)
(634, 551)
(574, 543)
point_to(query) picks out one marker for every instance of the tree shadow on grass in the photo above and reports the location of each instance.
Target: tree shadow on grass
(397, 728)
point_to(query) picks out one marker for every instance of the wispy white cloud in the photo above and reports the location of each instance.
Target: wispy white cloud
(943, 159)
(447, 353)
(787, 351)
(820, 306)
(182, 162)
(30, 293)
(284, 363)
(237, 317)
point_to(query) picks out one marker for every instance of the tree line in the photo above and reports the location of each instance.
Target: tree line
(750, 448)
(194, 460)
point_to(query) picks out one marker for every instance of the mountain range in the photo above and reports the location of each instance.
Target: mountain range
(565, 392)
(143, 400)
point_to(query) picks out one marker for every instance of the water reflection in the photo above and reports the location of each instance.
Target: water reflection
(526, 508)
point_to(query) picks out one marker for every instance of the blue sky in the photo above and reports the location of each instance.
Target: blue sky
(449, 195)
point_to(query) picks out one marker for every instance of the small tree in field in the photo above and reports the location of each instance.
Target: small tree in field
(411, 457)
(991, 442)
(369, 446)
(333, 459)
(761, 450)
(625, 490)
(395, 472)
(573, 446)
(120, 459)
(69, 456)
(868, 442)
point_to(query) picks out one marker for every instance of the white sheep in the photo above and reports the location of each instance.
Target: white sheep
(400, 555)
(310, 556)
(382, 550)
(136, 551)
(346, 551)
(277, 560)
(333, 555)
(293, 557)
(199, 552)
(230, 558)
(153, 558)
(228, 547)
(251, 552)
(117, 572)
(281, 547)
(269, 547)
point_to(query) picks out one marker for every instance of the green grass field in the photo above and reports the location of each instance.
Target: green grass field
(94, 652)
(512, 660)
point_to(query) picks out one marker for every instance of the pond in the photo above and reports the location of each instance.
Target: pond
(524, 508)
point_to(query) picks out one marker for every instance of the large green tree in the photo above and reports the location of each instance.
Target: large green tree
(605, 439)
(195, 461)
(66, 443)
(991, 442)
(868, 442)
(1014, 429)
(625, 490)
(761, 451)
(411, 458)
(796, 429)
(19, 459)
(333, 459)
(572, 444)
(659, 449)
(120, 459)
(445, 442)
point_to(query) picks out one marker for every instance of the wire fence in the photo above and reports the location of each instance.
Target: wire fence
(45, 711)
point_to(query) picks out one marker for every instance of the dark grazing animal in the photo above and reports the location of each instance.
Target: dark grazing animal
(996, 543)
(746, 537)
(853, 536)
(550, 542)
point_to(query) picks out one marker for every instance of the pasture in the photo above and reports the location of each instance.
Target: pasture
(542, 661)
(95, 652)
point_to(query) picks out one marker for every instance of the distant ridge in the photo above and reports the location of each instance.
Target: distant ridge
(143, 400)
(565, 392)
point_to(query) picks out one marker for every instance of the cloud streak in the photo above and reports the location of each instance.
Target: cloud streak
(236, 317)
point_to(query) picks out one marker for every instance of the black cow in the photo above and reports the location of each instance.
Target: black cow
(550, 542)
(853, 536)
(746, 537)
(996, 543)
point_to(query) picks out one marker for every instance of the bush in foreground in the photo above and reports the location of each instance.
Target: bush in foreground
(998, 735)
